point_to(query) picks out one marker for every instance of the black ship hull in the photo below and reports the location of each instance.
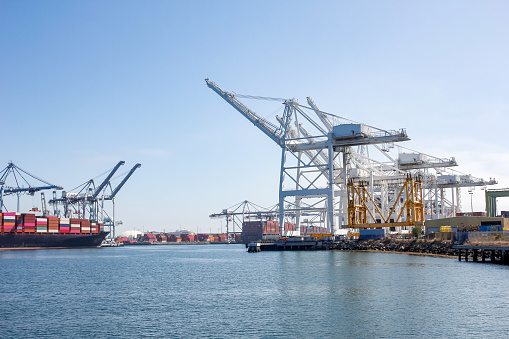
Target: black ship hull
(51, 240)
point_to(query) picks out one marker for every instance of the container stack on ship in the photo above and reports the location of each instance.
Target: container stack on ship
(29, 230)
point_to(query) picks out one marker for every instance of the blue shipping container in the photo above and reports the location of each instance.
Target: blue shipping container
(375, 234)
(490, 228)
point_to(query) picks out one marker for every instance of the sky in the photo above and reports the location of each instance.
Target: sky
(85, 84)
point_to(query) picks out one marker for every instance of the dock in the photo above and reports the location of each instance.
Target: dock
(292, 244)
(484, 253)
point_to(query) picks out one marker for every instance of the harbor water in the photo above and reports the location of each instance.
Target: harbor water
(221, 291)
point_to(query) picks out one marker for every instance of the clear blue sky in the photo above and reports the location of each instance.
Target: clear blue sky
(84, 84)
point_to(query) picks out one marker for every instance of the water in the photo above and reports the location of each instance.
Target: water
(221, 291)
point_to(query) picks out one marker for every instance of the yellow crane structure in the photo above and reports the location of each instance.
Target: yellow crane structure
(407, 210)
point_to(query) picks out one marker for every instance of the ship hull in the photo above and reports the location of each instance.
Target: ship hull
(51, 240)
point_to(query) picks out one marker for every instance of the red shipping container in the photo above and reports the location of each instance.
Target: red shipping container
(85, 226)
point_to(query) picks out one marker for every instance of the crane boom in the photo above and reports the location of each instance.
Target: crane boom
(115, 191)
(320, 115)
(30, 190)
(271, 130)
(105, 182)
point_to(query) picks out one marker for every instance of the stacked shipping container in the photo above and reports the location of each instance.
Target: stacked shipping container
(162, 237)
(19, 223)
(290, 227)
(308, 230)
(251, 231)
(85, 226)
(53, 225)
(65, 225)
(75, 225)
(270, 227)
(149, 237)
(9, 222)
(42, 225)
(202, 237)
(29, 223)
(26, 223)
(183, 237)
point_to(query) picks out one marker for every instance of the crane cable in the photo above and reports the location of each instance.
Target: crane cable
(245, 96)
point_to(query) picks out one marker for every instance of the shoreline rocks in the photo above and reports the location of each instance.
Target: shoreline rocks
(391, 245)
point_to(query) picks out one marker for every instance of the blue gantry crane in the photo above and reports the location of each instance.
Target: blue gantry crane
(87, 198)
(18, 178)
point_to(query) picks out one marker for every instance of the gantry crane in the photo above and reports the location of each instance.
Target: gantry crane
(90, 198)
(19, 179)
(237, 214)
(306, 177)
(337, 153)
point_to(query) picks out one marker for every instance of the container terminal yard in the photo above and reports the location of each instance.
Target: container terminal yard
(344, 177)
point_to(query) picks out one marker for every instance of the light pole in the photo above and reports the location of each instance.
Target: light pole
(471, 192)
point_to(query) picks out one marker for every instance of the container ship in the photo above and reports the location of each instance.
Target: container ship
(28, 230)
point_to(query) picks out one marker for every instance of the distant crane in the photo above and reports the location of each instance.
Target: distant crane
(18, 177)
(245, 210)
(92, 199)
(114, 193)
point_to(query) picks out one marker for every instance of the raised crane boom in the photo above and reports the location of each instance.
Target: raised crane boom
(271, 130)
(105, 182)
(321, 116)
(115, 191)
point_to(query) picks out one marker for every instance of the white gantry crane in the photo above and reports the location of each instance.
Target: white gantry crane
(321, 158)
(320, 183)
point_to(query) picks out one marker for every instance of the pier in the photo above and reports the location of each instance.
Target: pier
(480, 253)
(295, 244)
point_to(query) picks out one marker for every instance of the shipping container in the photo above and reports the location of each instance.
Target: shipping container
(42, 225)
(85, 226)
(9, 222)
(445, 228)
(162, 237)
(245, 238)
(149, 237)
(374, 234)
(53, 224)
(29, 223)
(490, 228)
(479, 214)
(202, 237)
(75, 225)
(65, 225)
(19, 223)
